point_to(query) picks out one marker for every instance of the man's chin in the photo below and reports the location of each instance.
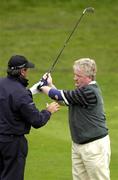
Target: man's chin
(77, 85)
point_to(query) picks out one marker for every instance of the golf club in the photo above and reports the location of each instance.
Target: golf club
(86, 10)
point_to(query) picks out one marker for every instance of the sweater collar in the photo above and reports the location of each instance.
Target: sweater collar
(92, 82)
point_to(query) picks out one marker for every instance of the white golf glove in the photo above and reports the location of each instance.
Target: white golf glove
(34, 89)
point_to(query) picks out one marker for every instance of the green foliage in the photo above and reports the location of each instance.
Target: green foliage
(38, 29)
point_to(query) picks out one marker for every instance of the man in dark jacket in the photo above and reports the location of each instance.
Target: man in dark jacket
(17, 114)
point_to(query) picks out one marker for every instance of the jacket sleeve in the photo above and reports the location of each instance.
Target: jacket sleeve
(30, 113)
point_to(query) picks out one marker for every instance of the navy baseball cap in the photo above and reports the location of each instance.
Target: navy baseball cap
(19, 62)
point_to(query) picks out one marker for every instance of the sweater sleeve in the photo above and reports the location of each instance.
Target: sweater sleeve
(85, 97)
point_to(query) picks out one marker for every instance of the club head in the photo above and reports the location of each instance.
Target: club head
(88, 10)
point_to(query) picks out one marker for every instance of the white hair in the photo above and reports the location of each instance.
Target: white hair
(87, 65)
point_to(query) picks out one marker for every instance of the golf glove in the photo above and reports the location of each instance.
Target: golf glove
(36, 87)
(42, 82)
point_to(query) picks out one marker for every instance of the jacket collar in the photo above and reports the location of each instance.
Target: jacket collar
(20, 79)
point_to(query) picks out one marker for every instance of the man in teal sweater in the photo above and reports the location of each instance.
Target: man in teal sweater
(90, 139)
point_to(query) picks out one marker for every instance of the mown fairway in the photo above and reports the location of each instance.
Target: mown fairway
(38, 29)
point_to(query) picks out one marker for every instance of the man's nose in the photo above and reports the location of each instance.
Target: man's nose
(75, 78)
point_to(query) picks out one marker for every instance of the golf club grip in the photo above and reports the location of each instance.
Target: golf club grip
(42, 82)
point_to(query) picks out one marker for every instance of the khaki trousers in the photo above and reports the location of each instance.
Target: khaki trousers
(91, 161)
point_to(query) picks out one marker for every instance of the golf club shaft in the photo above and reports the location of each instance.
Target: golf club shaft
(89, 9)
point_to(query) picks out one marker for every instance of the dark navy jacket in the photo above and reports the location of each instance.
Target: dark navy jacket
(17, 110)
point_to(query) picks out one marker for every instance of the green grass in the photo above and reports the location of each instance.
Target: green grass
(38, 30)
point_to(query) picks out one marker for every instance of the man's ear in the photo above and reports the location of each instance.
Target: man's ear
(23, 71)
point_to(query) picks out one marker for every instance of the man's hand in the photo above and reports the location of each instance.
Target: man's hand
(53, 107)
(42, 82)
(36, 87)
(46, 80)
(49, 79)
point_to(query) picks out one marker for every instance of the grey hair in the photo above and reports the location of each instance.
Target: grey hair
(87, 65)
